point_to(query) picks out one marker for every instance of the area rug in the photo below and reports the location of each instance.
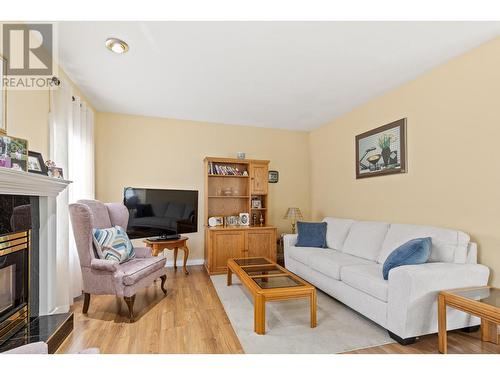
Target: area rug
(340, 329)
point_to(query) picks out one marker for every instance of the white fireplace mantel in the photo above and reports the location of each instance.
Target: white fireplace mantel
(24, 183)
(53, 233)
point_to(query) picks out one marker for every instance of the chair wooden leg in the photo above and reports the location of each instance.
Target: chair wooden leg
(86, 302)
(130, 304)
(163, 280)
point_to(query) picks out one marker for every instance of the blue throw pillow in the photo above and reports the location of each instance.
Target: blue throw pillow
(415, 251)
(311, 234)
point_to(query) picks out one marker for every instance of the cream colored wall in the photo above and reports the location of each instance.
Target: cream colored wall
(163, 153)
(27, 115)
(453, 177)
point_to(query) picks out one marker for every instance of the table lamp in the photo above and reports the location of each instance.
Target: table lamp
(294, 214)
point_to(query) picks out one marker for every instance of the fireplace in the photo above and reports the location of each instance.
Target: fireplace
(15, 240)
(31, 222)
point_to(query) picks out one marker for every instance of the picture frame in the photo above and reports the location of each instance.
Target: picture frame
(55, 172)
(13, 153)
(382, 151)
(3, 99)
(36, 163)
(244, 218)
(256, 203)
(273, 177)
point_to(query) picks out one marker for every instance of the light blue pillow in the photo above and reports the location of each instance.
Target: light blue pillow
(311, 234)
(113, 244)
(415, 251)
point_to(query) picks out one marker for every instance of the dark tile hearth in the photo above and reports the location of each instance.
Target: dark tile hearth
(52, 329)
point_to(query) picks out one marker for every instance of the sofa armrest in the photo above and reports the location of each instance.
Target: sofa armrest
(289, 240)
(413, 291)
(143, 252)
(103, 265)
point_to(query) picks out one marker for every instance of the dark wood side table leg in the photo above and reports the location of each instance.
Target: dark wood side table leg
(186, 254)
(442, 339)
(176, 249)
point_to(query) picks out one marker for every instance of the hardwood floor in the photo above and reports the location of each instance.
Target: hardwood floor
(191, 319)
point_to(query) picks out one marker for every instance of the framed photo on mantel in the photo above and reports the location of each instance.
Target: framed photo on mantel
(382, 150)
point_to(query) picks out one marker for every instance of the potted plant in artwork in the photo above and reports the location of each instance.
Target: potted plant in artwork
(384, 143)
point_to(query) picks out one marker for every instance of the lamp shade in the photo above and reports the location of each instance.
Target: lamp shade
(293, 213)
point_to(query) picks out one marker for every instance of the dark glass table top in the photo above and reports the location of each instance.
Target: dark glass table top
(489, 296)
(284, 281)
(251, 261)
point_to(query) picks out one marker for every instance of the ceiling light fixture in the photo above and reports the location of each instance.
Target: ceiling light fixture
(116, 45)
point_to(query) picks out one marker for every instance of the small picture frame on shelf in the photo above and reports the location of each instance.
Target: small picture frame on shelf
(36, 163)
(244, 218)
(215, 221)
(56, 172)
(13, 153)
(256, 203)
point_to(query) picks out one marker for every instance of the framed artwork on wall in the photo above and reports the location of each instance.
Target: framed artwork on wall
(382, 151)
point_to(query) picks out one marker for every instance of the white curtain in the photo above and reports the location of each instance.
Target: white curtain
(71, 125)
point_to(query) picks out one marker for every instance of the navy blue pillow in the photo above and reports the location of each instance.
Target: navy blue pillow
(415, 251)
(311, 234)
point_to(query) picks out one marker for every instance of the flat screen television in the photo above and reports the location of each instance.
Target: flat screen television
(160, 212)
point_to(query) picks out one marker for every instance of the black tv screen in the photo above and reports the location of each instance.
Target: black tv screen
(159, 212)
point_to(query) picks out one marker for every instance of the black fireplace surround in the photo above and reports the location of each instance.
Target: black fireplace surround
(18, 224)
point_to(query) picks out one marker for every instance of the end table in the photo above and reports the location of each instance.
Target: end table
(158, 246)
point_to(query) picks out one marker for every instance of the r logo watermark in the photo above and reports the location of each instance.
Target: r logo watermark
(28, 50)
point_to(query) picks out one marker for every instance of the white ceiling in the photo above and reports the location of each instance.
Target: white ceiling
(290, 75)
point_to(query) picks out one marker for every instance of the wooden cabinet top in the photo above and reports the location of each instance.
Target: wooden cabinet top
(240, 227)
(234, 160)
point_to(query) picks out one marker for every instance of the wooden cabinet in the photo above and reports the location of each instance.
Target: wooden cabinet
(259, 178)
(225, 243)
(261, 243)
(231, 185)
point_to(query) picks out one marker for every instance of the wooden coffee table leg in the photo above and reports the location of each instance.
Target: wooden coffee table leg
(229, 277)
(259, 313)
(489, 331)
(313, 309)
(176, 249)
(442, 339)
(186, 254)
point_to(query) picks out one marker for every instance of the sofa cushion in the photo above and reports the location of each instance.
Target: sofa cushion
(136, 269)
(311, 234)
(330, 262)
(448, 245)
(302, 254)
(365, 239)
(336, 231)
(366, 278)
(415, 251)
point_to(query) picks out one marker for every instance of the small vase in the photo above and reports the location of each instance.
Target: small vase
(386, 155)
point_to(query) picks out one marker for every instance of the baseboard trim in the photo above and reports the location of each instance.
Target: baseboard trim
(190, 262)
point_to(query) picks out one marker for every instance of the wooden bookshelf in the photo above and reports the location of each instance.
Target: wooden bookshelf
(230, 187)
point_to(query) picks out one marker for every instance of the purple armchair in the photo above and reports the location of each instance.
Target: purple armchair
(102, 276)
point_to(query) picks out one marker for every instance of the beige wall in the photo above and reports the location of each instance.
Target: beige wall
(163, 153)
(453, 177)
(27, 115)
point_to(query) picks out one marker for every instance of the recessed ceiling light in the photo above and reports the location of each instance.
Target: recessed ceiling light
(116, 45)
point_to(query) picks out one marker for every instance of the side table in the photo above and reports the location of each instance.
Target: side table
(158, 246)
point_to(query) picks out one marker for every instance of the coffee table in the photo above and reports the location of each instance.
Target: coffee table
(483, 302)
(267, 281)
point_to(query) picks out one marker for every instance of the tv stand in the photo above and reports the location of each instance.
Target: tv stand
(165, 237)
(157, 246)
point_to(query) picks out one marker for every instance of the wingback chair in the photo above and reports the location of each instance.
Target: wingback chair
(101, 276)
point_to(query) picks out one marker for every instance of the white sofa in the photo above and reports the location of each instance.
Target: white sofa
(350, 270)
